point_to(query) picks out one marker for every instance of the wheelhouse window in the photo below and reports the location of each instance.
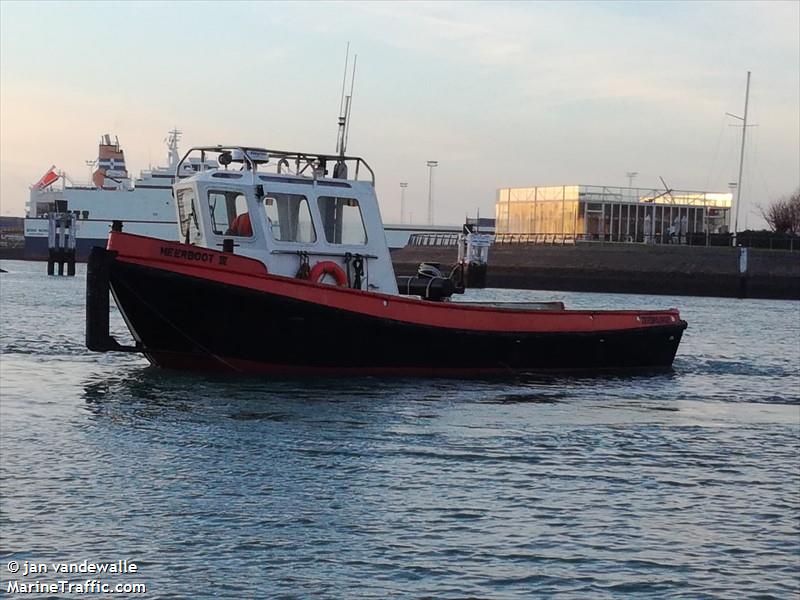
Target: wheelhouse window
(229, 214)
(342, 221)
(289, 218)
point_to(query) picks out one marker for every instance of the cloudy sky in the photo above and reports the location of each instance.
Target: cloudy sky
(501, 94)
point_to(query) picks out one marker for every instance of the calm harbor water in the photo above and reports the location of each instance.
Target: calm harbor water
(680, 485)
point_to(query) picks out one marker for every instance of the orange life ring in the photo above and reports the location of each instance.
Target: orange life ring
(327, 267)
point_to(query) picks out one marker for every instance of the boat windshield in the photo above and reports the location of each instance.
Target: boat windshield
(289, 218)
(342, 221)
(228, 210)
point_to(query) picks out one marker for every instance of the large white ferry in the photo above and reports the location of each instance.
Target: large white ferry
(144, 203)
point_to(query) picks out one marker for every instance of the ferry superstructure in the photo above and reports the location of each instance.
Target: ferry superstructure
(144, 203)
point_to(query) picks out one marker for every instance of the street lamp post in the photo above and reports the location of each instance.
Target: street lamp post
(403, 186)
(431, 165)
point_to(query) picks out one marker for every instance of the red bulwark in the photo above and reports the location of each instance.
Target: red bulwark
(163, 254)
(234, 270)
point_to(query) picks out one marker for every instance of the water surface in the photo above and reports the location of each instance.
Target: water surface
(678, 485)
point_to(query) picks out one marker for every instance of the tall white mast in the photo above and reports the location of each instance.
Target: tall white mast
(741, 158)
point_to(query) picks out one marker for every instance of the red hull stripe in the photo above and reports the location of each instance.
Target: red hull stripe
(244, 272)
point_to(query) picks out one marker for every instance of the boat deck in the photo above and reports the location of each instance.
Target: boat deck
(517, 305)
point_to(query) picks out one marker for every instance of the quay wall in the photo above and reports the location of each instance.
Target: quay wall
(627, 268)
(12, 253)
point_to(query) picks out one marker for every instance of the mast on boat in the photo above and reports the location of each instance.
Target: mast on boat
(345, 105)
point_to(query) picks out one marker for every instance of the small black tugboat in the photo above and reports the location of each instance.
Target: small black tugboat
(285, 270)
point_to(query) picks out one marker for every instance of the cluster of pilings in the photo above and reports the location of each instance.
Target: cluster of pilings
(61, 237)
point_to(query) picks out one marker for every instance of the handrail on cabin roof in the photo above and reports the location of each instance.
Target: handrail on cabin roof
(304, 159)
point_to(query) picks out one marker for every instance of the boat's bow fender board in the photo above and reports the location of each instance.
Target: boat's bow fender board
(98, 337)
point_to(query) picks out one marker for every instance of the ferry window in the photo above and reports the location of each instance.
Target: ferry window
(229, 214)
(289, 218)
(185, 200)
(45, 208)
(342, 220)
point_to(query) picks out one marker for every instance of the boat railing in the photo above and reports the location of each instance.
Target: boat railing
(283, 162)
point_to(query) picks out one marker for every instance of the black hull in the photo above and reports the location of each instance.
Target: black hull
(193, 323)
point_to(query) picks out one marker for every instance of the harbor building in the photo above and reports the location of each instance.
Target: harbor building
(570, 213)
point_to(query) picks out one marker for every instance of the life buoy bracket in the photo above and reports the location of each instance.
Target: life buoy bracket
(328, 267)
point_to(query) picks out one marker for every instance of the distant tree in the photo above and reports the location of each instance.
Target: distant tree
(783, 215)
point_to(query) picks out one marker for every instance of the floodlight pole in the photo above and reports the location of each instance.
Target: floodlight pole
(403, 186)
(431, 165)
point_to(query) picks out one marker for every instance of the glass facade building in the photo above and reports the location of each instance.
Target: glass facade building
(586, 212)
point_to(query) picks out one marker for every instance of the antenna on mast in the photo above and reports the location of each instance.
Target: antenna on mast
(345, 106)
(349, 103)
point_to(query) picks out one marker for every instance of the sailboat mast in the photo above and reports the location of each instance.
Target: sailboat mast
(741, 159)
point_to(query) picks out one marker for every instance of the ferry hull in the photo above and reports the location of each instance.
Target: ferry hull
(36, 248)
(184, 320)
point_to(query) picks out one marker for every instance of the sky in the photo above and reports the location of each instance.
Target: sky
(500, 94)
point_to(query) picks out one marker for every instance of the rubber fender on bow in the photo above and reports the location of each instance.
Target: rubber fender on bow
(327, 267)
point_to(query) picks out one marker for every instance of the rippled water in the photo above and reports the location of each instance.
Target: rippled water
(681, 485)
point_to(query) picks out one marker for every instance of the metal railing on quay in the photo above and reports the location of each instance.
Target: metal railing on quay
(763, 240)
(433, 239)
